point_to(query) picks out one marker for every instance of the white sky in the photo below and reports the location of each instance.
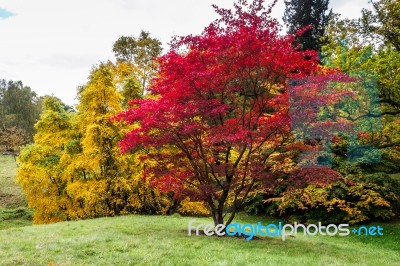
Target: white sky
(51, 45)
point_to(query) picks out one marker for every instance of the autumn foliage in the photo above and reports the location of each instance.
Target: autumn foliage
(236, 111)
(221, 102)
(74, 169)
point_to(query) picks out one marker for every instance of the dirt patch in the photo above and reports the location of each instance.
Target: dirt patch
(11, 201)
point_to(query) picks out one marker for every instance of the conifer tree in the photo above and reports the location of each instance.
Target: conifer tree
(300, 14)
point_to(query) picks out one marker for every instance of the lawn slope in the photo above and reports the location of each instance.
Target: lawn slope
(13, 207)
(162, 240)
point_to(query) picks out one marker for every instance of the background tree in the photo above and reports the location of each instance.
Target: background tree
(137, 56)
(303, 13)
(19, 107)
(11, 139)
(382, 23)
(348, 50)
(359, 48)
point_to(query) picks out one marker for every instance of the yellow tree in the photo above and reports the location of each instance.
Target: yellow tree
(74, 168)
(101, 181)
(40, 173)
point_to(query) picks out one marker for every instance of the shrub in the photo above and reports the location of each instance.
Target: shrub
(373, 197)
(193, 208)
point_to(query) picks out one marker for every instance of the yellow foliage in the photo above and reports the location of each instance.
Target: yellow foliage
(193, 208)
(314, 201)
(75, 170)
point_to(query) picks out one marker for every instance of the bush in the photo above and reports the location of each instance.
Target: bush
(373, 197)
(192, 208)
(255, 203)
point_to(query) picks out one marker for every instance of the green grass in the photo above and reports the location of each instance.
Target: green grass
(15, 217)
(162, 240)
(11, 195)
(13, 207)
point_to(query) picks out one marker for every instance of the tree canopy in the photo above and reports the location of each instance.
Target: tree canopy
(222, 105)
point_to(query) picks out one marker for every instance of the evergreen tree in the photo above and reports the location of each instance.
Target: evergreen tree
(307, 13)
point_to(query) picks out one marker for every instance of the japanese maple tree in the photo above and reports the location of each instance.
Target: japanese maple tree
(219, 108)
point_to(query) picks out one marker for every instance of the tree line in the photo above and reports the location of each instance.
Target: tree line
(20, 108)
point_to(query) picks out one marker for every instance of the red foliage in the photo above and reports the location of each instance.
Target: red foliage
(316, 176)
(220, 108)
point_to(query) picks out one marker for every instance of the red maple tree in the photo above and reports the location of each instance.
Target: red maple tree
(219, 108)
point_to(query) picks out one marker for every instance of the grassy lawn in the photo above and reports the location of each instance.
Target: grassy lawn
(13, 210)
(10, 193)
(161, 240)
(164, 240)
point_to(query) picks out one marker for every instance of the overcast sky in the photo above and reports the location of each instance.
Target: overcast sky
(51, 45)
